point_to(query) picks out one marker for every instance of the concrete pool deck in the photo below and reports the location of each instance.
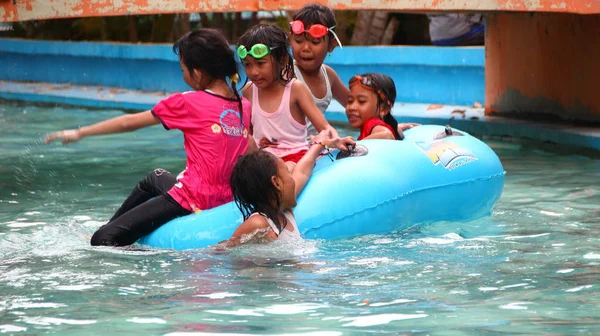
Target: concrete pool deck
(470, 119)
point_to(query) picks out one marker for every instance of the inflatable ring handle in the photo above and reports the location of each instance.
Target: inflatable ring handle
(359, 150)
(448, 132)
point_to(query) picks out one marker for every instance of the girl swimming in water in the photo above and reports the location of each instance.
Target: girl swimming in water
(265, 191)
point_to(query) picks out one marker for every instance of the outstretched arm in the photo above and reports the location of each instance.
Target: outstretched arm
(124, 123)
(303, 169)
(311, 111)
(380, 132)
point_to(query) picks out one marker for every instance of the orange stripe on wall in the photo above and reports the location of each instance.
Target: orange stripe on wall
(23, 10)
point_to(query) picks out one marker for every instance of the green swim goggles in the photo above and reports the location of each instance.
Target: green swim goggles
(258, 50)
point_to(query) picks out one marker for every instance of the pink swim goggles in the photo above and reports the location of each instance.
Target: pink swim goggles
(316, 30)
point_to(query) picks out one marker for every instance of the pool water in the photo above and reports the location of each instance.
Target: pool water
(533, 267)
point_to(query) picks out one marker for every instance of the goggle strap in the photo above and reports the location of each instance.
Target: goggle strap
(359, 80)
(241, 50)
(336, 37)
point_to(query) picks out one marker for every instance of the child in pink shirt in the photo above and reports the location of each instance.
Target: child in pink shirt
(215, 123)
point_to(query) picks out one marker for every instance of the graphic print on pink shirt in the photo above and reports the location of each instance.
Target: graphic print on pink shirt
(231, 123)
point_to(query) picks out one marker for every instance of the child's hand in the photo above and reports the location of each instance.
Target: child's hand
(405, 126)
(322, 137)
(327, 140)
(67, 136)
(345, 143)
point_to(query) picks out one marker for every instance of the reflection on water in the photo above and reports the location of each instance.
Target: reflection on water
(531, 268)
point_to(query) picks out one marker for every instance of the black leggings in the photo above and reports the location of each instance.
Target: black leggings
(145, 209)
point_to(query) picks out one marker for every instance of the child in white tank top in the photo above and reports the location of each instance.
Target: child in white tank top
(280, 104)
(265, 191)
(312, 36)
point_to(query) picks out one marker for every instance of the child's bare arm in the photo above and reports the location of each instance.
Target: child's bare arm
(248, 229)
(381, 132)
(252, 147)
(247, 91)
(124, 123)
(303, 169)
(308, 107)
(338, 89)
(311, 111)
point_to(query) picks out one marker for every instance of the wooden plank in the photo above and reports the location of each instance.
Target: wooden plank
(23, 10)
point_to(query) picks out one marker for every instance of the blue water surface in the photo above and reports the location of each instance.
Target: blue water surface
(531, 268)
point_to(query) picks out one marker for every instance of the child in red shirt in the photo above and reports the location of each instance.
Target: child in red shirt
(369, 107)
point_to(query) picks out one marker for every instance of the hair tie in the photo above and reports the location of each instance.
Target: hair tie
(235, 78)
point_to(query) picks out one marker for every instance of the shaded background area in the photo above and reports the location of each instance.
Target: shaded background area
(354, 27)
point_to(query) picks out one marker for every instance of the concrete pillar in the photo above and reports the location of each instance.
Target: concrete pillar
(547, 63)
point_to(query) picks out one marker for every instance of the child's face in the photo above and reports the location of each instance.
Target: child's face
(260, 70)
(362, 106)
(286, 185)
(310, 52)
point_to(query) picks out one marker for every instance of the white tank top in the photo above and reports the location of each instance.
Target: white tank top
(285, 234)
(322, 103)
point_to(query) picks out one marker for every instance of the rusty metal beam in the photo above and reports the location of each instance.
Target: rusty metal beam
(24, 10)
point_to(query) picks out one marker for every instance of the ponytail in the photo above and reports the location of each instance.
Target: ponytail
(288, 71)
(390, 120)
(234, 79)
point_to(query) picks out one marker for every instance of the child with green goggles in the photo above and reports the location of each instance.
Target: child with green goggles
(280, 105)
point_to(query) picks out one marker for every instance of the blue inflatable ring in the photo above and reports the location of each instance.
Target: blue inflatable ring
(434, 174)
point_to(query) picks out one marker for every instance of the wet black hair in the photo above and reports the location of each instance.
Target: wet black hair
(386, 85)
(207, 50)
(316, 14)
(273, 37)
(252, 188)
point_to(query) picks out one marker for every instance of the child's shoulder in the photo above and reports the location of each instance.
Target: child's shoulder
(247, 89)
(330, 72)
(258, 219)
(299, 90)
(187, 95)
(298, 85)
(328, 68)
(254, 222)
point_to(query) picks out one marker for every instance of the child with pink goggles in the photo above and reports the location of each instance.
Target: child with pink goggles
(316, 30)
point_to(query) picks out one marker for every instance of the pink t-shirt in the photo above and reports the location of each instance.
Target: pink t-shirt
(214, 137)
